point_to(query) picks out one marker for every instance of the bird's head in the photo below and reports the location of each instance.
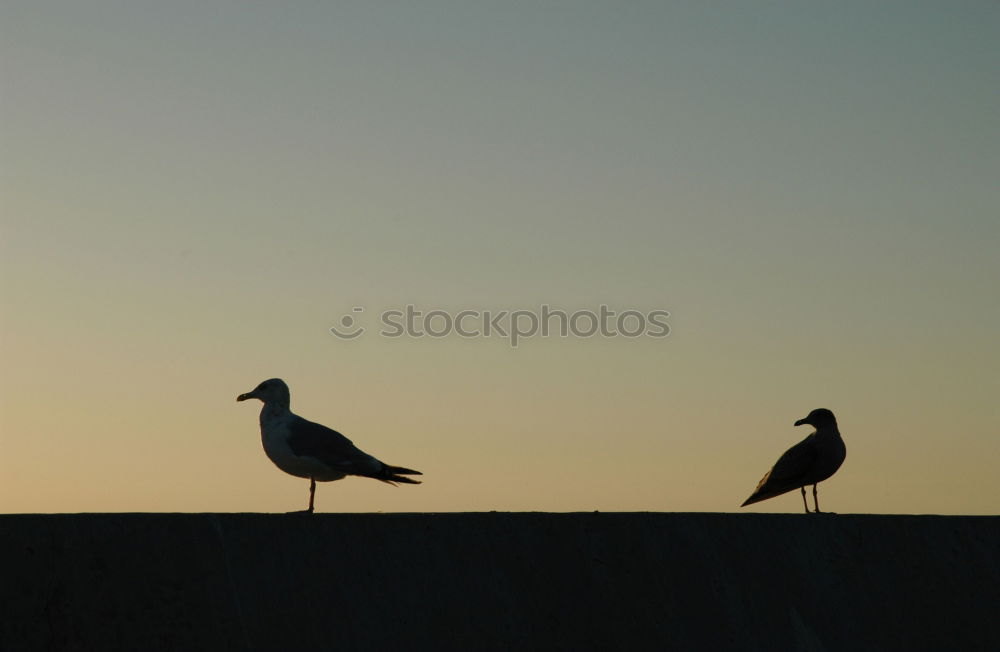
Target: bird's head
(820, 417)
(273, 390)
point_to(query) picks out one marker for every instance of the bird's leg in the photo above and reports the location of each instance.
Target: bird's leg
(815, 497)
(312, 493)
(804, 503)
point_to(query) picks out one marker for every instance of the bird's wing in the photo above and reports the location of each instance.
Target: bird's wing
(310, 439)
(788, 473)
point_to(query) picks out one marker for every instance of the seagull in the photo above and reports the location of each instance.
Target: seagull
(310, 450)
(810, 461)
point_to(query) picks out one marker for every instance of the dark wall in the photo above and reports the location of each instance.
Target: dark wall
(498, 581)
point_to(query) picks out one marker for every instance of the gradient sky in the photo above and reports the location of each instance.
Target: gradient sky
(193, 193)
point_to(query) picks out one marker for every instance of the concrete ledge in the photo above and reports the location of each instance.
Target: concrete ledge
(499, 581)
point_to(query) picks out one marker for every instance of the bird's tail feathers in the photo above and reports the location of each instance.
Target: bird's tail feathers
(763, 493)
(756, 498)
(394, 474)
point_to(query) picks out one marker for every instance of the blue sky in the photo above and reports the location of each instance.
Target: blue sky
(193, 193)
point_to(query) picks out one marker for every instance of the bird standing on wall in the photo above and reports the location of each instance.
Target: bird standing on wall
(310, 450)
(811, 461)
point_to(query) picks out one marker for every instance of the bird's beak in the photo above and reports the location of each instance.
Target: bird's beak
(798, 423)
(243, 397)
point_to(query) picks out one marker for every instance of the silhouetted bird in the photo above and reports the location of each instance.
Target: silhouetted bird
(810, 461)
(309, 450)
